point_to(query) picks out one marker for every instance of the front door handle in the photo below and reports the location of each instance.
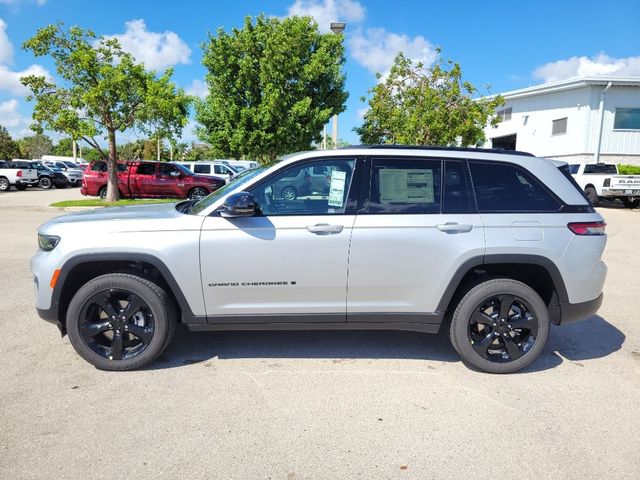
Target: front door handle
(452, 227)
(325, 229)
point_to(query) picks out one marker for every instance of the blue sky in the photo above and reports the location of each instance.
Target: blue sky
(505, 44)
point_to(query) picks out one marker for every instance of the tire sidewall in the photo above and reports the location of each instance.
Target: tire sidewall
(136, 286)
(45, 183)
(4, 185)
(474, 297)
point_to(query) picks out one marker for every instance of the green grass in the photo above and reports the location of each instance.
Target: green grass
(96, 202)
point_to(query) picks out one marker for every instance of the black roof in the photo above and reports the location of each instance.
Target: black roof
(455, 149)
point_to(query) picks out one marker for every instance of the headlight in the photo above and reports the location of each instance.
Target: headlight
(47, 242)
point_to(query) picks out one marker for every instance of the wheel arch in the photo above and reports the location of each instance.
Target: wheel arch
(539, 272)
(81, 268)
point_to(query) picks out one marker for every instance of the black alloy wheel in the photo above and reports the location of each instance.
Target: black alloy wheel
(502, 328)
(116, 324)
(198, 193)
(45, 183)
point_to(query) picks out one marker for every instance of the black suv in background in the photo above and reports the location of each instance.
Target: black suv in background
(47, 176)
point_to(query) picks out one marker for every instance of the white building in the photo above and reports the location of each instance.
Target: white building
(591, 119)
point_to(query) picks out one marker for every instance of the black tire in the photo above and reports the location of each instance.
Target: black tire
(631, 203)
(45, 183)
(93, 333)
(102, 193)
(61, 184)
(493, 344)
(21, 187)
(5, 186)
(592, 195)
(289, 193)
(197, 193)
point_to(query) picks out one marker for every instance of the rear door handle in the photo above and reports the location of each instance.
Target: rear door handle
(325, 229)
(452, 227)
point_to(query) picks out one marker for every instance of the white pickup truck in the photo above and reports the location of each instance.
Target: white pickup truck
(20, 178)
(602, 181)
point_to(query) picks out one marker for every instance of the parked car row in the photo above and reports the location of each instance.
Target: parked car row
(37, 173)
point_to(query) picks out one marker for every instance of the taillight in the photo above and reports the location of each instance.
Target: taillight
(587, 228)
(19, 173)
(607, 182)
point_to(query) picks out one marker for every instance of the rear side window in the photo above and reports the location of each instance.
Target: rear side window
(200, 168)
(503, 187)
(456, 197)
(146, 169)
(409, 186)
(601, 168)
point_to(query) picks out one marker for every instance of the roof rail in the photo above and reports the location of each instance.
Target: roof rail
(455, 149)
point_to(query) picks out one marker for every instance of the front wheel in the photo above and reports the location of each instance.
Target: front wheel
(631, 203)
(120, 321)
(21, 187)
(500, 326)
(197, 193)
(289, 193)
(592, 195)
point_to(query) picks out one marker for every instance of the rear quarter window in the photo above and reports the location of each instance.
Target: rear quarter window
(504, 187)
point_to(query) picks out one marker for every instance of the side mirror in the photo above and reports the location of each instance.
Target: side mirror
(241, 204)
(174, 173)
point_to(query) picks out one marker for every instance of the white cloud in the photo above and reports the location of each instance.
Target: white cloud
(361, 112)
(600, 64)
(198, 88)
(327, 11)
(13, 120)
(156, 50)
(17, 2)
(10, 80)
(6, 47)
(375, 49)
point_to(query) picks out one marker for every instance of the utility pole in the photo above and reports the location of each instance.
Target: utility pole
(338, 29)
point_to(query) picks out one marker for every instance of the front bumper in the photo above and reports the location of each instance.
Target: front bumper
(573, 312)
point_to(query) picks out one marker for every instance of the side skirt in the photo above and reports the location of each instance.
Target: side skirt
(413, 327)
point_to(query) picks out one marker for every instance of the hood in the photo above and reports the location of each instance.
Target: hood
(130, 212)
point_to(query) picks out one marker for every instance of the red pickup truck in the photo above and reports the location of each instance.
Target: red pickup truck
(149, 180)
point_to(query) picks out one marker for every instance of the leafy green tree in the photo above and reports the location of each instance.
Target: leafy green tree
(8, 148)
(102, 91)
(272, 84)
(418, 105)
(131, 151)
(35, 146)
(64, 147)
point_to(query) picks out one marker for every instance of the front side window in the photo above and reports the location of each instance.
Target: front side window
(503, 187)
(167, 169)
(146, 169)
(311, 188)
(627, 119)
(405, 186)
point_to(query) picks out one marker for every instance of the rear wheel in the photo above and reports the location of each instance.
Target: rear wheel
(21, 187)
(45, 183)
(631, 203)
(120, 321)
(500, 326)
(103, 193)
(4, 184)
(592, 195)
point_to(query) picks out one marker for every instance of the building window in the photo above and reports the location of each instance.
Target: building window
(627, 119)
(559, 126)
(504, 114)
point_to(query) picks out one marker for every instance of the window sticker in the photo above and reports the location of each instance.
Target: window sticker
(406, 186)
(336, 190)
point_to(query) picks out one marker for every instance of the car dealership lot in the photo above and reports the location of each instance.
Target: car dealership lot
(295, 405)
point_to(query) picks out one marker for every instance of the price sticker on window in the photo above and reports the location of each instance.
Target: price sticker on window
(336, 190)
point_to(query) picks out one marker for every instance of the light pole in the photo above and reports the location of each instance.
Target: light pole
(337, 28)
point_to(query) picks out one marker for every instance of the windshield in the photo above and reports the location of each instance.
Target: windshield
(183, 168)
(238, 180)
(70, 164)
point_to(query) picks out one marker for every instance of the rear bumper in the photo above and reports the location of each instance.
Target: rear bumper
(573, 312)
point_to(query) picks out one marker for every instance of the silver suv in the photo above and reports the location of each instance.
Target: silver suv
(492, 247)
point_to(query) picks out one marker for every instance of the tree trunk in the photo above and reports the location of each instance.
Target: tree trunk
(113, 194)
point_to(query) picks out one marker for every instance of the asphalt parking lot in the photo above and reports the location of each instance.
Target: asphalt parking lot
(318, 405)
